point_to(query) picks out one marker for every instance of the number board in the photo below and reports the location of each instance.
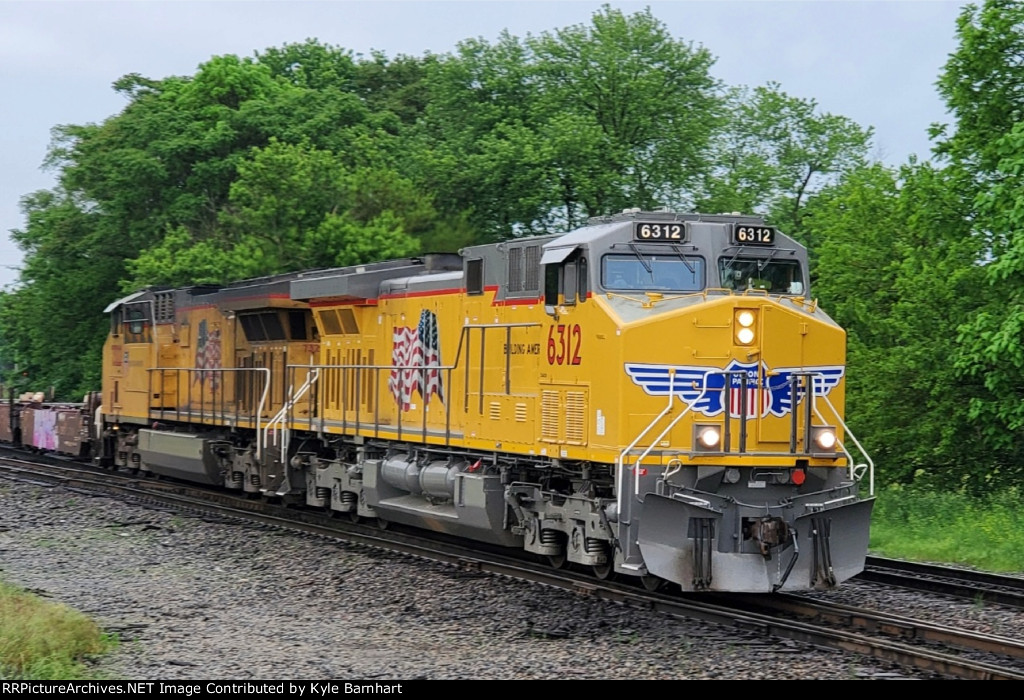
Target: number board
(671, 231)
(743, 234)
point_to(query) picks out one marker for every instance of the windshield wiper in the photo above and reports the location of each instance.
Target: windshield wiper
(728, 265)
(640, 257)
(762, 264)
(683, 258)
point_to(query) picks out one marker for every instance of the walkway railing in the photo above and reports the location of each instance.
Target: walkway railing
(352, 377)
(212, 396)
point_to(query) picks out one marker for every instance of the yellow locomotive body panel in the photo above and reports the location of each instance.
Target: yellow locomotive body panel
(511, 377)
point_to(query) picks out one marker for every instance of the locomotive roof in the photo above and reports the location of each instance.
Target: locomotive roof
(558, 246)
(364, 281)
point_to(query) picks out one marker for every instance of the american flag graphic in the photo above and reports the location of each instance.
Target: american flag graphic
(208, 356)
(416, 355)
(758, 399)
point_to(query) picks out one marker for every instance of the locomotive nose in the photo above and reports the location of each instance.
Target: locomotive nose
(709, 544)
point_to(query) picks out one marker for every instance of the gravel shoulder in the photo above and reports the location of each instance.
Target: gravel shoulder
(195, 599)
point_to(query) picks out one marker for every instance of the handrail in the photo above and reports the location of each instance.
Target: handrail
(813, 396)
(286, 407)
(620, 463)
(622, 455)
(672, 424)
(463, 335)
(190, 370)
(870, 463)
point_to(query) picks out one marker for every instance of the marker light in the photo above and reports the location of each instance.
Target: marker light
(797, 476)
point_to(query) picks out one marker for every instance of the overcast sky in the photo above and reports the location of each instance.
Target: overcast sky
(875, 62)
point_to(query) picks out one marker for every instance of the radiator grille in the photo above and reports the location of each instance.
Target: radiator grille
(520, 412)
(575, 417)
(549, 416)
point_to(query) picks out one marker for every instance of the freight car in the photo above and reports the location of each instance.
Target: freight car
(41, 426)
(655, 394)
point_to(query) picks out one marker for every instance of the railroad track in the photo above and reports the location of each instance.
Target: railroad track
(977, 586)
(1003, 657)
(907, 643)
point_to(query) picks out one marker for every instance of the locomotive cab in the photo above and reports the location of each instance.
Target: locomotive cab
(733, 473)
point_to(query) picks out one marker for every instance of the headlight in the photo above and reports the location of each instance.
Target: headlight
(707, 438)
(824, 438)
(744, 322)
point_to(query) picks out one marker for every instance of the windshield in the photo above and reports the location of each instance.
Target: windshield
(774, 276)
(663, 273)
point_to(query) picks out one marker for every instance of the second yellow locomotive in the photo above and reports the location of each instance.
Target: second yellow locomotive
(655, 394)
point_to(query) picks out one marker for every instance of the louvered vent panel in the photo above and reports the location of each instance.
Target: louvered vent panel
(495, 410)
(549, 416)
(575, 417)
(164, 303)
(532, 265)
(520, 412)
(515, 270)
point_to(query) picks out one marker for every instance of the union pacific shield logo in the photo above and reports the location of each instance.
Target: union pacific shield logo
(705, 387)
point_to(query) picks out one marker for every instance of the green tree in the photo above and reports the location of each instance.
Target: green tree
(290, 209)
(536, 135)
(983, 86)
(394, 86)
(993, 340)
(282, 194)
(645, 101)
(51, 325)
(777, 152)
(898, 269)
(475, 146)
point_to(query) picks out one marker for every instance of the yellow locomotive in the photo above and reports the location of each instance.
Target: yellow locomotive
(654, 394)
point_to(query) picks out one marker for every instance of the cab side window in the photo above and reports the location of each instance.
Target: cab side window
(566, 282)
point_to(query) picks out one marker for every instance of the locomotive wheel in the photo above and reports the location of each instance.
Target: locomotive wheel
(604, 571)
(353, 516)
(557, 561)
(651, 582)
(383, 524)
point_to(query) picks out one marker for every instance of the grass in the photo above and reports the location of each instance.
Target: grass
(42, 640)
(950, 527)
